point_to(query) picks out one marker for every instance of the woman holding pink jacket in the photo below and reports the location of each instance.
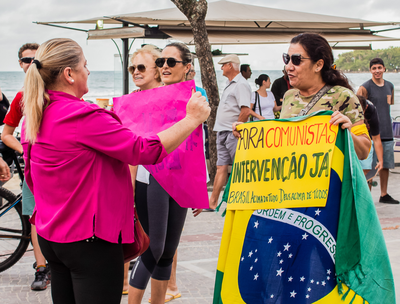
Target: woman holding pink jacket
(77, 157)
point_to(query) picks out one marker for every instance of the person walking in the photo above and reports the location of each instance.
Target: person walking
(381, 93)
(234, 106)
(82, 219)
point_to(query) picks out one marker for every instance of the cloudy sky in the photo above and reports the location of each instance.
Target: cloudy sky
(16, 25)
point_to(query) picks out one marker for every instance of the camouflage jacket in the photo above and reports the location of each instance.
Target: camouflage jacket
(337, 98)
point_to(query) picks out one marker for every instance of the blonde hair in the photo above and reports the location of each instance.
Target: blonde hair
(53, 56)
(151, 50)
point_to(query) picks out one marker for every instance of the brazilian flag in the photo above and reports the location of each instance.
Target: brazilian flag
(331, 254)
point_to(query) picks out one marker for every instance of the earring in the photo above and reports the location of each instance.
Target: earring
(72, 80)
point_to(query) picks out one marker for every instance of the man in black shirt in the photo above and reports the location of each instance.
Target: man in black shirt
(280, 86)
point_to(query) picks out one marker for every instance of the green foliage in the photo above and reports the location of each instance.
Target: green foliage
(216, 52)
(358, 61)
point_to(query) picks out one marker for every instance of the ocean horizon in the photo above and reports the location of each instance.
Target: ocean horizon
(108, 84)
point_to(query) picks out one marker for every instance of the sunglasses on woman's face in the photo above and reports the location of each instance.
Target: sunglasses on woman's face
(27, 59)
(171, 62)
(141, 68)
(296, 58)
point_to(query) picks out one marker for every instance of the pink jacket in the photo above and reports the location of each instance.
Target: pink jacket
(79, 173)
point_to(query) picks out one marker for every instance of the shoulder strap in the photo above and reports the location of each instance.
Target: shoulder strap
(314, 100)
(258, 99)
(255, 101)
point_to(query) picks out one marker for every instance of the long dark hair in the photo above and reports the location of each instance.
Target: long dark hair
(186, 55)
(318, 48)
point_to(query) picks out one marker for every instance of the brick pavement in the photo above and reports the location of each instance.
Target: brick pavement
(197, 257)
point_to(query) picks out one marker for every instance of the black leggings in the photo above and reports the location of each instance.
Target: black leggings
(162, 219)
(84, 272)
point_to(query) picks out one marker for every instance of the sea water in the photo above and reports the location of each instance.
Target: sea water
(108, 84)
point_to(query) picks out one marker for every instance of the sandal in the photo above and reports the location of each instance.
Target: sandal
(170, 297)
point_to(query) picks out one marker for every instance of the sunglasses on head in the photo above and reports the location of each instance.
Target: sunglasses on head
(296, 58)
(171, 62)
(141, 68)
(27, 59)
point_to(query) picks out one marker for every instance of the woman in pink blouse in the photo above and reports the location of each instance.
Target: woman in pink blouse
(77, 167)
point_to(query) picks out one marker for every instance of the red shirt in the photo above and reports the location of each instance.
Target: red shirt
(15, 114)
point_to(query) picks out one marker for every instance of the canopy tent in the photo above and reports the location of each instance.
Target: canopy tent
(231, 23)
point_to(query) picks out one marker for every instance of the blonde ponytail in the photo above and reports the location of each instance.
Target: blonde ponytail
(33, 102)
(53, 57)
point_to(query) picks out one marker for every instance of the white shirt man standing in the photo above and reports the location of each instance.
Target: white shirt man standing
(234, 106)
(381, 93)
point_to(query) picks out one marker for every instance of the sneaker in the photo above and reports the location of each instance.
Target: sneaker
(41, 279)
(387, 199)
(48, 269)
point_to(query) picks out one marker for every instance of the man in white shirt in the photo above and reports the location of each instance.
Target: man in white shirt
(234, 106)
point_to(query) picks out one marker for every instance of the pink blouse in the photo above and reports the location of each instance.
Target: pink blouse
(79, 173)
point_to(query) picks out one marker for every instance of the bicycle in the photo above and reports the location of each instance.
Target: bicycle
(15, 228)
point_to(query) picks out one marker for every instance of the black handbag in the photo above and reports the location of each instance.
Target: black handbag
(4, 105)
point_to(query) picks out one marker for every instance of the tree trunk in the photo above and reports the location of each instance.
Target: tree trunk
(196, 12)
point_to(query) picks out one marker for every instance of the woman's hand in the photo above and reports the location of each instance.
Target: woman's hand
(236, 133)
(196, 212)
(197, 109)
(339, 118)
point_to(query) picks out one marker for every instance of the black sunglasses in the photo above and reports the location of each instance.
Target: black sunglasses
(27, 59)
(141, 68)
(171, 62)
(296, 58)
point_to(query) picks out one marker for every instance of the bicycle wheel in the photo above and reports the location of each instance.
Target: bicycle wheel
(15, 230)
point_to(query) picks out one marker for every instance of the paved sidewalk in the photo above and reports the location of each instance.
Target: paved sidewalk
(197, 257)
